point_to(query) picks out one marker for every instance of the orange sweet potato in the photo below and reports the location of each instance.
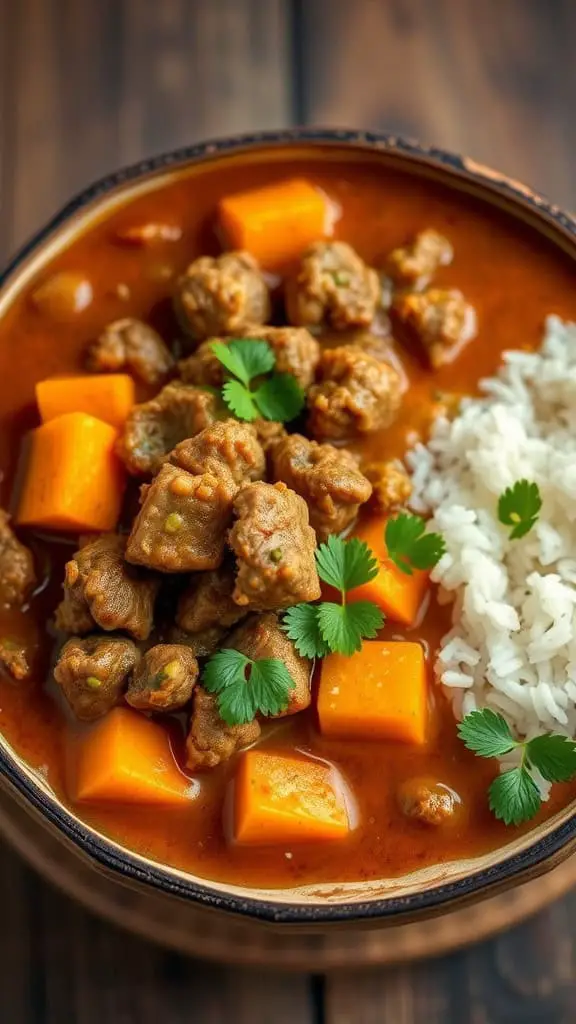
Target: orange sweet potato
(398, 595)
(73, 479)
(378, 693)
(108, 397)
(126, 758)
(287, 800)
(277, 222)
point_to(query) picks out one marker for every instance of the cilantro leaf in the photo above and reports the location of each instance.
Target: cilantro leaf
(519, 507)
(553, 755)
(239, 400)
(245, 358)
(514, 796)
(247, 687)
(487, 733)
(345, 564)
(301, 625)
(343, 626)
(280, 398)
(409, 546)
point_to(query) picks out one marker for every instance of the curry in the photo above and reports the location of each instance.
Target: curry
(143, 263)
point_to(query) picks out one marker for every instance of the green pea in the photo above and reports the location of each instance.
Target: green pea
(276, 555)
(173, 523)
(93, 682)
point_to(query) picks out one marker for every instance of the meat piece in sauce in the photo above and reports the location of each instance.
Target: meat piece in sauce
(268, 433)
(355, 394)
(14, 659)
(296, 352)
(228, 447)
(413, 266)
(202, 644)
(92, 673)
(210, 740)
(17, 576)
(101, 589)
(130, 345)
(262, 636)
(164, 679)
(441, 321)
(427, 801)
(391, 485)
(221, 295)
(154, 428)
(328, 478)
(182, 523)
(207, 601)
(274, 546)
(333, 287)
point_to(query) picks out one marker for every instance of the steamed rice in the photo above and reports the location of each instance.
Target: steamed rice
(513, 643)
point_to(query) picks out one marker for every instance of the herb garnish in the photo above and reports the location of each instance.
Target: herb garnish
(519, 507)
(278, 397)
(409, 546)
(247, 687)
(321, 629)
(514, 796)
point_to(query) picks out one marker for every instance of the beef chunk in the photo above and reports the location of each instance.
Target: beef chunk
(201, 644)
(207, 601)
(328, 479)
(262, 636)
(333, 286)
(17, 576)
(391, 485)
(227, 447)
(93, 673)
(441, 321)
(101, 589)
(274, 546)
(355, 393)
(377, 345)
(413, 266)
(296, 352)
(131, 345)
(210, 741)
(427, 801)
(154, 428)
(164, 679)
(268, 433)
(220, 295)
(182, 523)
(14, 659)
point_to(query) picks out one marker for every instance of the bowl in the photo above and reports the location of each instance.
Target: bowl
(315, 910)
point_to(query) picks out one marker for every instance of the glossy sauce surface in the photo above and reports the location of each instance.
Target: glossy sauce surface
(512, 276)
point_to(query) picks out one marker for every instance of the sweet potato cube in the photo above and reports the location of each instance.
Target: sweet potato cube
(73, 479)
(126, 758)
(378, 693)
(277, 222)
(287, 800)
(399, 595)
(108, 397)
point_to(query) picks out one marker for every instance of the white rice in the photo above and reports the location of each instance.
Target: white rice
(513, 642)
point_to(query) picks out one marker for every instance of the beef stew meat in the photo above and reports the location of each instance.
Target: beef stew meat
(201, 609)
(328, 478)
(153, 428)
(164, 679)
(130, 345)
(93, 673)
(221, 295)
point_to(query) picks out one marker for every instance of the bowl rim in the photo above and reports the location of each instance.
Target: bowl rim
(120, 861)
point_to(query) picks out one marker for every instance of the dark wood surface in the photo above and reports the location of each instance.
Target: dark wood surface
(86, 85)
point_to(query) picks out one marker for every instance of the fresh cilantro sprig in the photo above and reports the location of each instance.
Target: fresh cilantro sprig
(409, 546)
(514, 796)
(519, 507)
(278, 397)
(247, 687)
(328, 627)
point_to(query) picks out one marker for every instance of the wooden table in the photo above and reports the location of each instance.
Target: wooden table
(86, 85)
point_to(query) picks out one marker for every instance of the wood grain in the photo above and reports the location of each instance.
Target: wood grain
(494, 80)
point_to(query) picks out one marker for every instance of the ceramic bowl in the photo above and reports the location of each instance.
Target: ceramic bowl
(318, 908)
